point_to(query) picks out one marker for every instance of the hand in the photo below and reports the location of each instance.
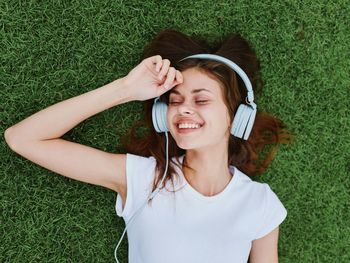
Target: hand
(151, 78)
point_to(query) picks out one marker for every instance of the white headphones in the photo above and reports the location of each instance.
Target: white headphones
(245, 115)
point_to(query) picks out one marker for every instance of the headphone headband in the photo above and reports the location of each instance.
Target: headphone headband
(235, 67)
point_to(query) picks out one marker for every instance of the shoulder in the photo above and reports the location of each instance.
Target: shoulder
(263, 202)
(140, 170)
(139, 159)
(139, 173)
(260, 194)
(137, 163)
(246, 184)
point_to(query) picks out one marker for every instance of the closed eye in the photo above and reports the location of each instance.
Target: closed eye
(177, 102)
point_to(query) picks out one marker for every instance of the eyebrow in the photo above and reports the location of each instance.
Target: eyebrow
(192, 91)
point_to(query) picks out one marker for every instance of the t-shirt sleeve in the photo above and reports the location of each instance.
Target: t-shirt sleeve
(139, 180)
(273, 213)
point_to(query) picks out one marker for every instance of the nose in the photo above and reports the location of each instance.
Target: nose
(185, 109)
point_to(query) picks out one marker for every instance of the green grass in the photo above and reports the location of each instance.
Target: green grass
(54, 50)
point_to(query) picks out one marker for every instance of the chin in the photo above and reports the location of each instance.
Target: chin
(183, 145)
(188, 145)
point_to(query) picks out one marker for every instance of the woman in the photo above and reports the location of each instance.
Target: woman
(213, 212)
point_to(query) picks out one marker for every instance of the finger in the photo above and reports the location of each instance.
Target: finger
(158, 61)
(165, 67)
(179, 77)
(170, 78)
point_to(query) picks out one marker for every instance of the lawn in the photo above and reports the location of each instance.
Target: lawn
(54, 50)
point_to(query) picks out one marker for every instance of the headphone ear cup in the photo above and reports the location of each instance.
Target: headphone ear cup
(243, 121)
(159, 112)
(249, 126)
(236, 121)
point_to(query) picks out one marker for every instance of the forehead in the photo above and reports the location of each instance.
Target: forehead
(195, 81)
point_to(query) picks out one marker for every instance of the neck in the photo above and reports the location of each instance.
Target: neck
(211, 174)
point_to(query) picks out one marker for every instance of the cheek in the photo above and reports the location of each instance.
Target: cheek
(170, 115)
(222, 118)
(219, 125)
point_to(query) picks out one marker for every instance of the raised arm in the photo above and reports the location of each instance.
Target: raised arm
(37, 137)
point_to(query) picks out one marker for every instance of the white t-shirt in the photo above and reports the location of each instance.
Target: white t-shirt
(191, 227)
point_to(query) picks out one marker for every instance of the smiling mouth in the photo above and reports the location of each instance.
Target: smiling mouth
(187, 129)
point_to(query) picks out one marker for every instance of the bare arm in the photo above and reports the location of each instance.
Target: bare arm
(54, 121)
(37, 137)
(265, 249)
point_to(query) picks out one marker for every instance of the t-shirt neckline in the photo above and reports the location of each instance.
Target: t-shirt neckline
(198, 195)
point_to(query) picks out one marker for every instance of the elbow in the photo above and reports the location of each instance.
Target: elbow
(9, 138)
(16, 140)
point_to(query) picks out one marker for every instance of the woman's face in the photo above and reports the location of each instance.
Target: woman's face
(198, 100)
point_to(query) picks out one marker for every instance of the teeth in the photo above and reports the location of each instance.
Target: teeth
(189, 125)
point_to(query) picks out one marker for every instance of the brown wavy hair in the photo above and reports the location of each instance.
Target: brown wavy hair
(247, 155)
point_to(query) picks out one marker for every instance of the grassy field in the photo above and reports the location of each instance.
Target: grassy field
(54, 50)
